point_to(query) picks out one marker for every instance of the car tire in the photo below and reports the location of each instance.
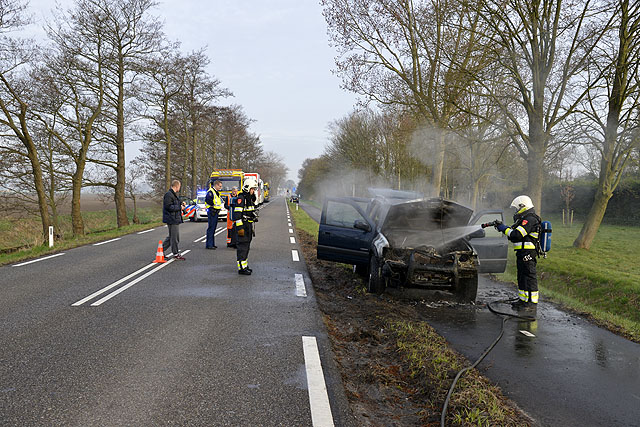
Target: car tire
(376, 284)
(193, 218)
(467, 290)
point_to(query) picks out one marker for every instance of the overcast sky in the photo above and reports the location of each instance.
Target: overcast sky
(272, 54)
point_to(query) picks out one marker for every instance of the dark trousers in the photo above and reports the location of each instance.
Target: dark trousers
(244, 243)
(212, 218)
(172, 239)
(232, 236)
(526, 264)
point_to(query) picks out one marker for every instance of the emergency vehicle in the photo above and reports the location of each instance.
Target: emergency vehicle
(195, 209)
(267, 196)
(259, 190)
(230, 178)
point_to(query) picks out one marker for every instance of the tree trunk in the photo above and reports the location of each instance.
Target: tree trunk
(77, 222)
(39, 186)
(194, 169)
(136, 220)
(591, 225)
(438, 166)
(167, 155)
(119, 194)
(535, 160)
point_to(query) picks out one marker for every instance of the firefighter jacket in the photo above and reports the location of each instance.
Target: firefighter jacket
(525, 232)
(244, 210)
(213, 199)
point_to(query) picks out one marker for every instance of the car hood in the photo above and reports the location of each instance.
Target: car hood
(432, 222)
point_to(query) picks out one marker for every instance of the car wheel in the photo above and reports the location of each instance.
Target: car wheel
(467, 289)
(193, 218)
(377, 283)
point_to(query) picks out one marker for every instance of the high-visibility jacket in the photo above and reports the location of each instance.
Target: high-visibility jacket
(244, 209)
(525, 232)
(213, 199)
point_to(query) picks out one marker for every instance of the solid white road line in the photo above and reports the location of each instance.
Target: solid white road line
(292, 239)
(36, 260)
(318, 398)
(133, 282)
(200, 239)
(203, 238)
(114, 284)
(291, 230)
(527, 333)
(220, 230)
(294, 255)
(301, 291)
(106, 241)
(145, 231)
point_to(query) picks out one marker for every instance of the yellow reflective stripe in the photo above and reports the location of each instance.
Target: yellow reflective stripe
(239, 223)
(251, 208)
(239, 266)
(508, 231)
(244, 264)
(523, 295)
(534, 297)
(238, 209)
(521, 230)
(534, 235)
(523, 245)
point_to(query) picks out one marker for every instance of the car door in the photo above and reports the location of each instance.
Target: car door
(345, 232)
(493, 247)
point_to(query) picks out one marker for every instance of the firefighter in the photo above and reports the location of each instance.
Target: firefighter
(213, 203)
(524, 234)
(229, 205)
(245, 210)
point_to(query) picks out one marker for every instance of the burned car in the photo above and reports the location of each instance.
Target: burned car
(432, 244)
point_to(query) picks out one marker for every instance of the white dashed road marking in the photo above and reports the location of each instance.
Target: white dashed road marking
(292, 239)
(301, 291)
(36, 260)
(291, 230)
(145, 231)
(106, 241)
(527, 333)
(318, 399)
(294, 255)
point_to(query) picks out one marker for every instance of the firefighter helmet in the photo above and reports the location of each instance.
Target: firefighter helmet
(522, 203)
(249, 183)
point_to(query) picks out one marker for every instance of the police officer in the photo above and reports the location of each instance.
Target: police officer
(246, 213)
(213, 203)
(524, 234)
(229, 205)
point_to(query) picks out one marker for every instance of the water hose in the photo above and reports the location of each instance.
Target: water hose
(505, 317)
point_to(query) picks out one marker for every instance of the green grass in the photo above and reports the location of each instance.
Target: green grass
(25, 233)
(603, 281)
(475, 401)
(303, 221)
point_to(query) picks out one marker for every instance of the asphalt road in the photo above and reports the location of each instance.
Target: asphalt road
(561, 369)
(188, 343)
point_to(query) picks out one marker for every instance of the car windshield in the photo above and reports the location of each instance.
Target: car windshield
(228, 182)
(200, 200)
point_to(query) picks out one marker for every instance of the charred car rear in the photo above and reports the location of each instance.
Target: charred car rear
(432, 244)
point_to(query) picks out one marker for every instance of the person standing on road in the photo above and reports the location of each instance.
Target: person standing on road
(524, 234)
(172, 216)
(213, 203)
(229, 205)
(246, 212)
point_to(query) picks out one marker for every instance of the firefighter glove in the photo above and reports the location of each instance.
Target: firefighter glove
(241, 232)
(501, 227)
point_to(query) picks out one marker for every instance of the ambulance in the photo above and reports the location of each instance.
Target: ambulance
(230, 178)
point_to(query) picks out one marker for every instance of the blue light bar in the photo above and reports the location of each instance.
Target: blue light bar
(202, 193)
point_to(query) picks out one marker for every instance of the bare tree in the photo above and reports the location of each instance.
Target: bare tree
(618, 60)
(420, 54)
(15, 58)
(543, 49)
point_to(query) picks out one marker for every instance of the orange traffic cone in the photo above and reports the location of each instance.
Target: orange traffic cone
(160, 253)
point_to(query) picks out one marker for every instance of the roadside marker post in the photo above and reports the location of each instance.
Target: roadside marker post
(51, 236)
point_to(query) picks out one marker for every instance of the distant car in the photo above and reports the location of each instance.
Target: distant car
(295, 198)
(432, 244)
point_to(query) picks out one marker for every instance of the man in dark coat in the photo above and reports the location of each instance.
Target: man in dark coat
(172, 216)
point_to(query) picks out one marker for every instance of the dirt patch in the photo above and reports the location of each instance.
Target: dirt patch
(384, 384)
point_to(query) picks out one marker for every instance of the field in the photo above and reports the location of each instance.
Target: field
(603, 282)
(20, 238)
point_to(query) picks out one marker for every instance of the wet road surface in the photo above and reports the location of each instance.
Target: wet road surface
(569, 373)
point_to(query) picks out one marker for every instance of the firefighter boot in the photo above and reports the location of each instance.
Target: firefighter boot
(519, 305)
(244, 272)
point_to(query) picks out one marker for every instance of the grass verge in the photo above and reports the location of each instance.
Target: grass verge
(99, 226)
(603, 282)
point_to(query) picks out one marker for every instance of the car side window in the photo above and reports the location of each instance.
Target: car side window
(342, 214)
(490, 217)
